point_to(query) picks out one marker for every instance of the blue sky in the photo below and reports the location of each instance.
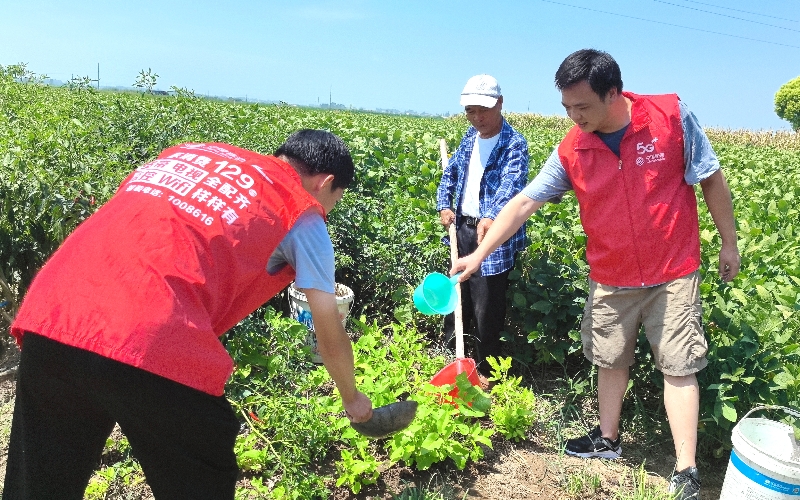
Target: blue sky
(725, 63)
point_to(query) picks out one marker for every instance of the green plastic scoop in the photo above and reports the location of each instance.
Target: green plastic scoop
(436, 294)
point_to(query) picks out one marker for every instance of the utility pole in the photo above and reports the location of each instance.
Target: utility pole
(98, 77)
(330, 98)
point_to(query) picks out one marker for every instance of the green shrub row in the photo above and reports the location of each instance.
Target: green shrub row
(63, 152)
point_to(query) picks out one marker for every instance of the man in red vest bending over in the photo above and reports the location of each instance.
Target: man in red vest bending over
(123, 322)
(631, 161)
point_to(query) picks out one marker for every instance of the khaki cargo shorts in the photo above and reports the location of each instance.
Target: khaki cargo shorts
(671, 314)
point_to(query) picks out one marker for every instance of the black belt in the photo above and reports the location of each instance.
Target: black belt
(471, 221)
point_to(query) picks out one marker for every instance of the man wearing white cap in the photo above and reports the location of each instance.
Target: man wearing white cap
(489, 168)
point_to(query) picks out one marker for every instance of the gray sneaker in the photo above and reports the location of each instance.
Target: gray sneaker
(685, 485)
(594, 445)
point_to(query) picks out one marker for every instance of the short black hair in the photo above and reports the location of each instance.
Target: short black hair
(595, 66)
(320, 152)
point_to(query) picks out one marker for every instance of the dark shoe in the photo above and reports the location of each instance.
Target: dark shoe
(594, 445)
(484, 382)
(685, 485)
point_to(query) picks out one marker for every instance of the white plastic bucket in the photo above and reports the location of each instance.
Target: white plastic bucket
(765, 461)
(300, 311)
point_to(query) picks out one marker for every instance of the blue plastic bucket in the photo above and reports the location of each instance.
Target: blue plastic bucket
(300, 311)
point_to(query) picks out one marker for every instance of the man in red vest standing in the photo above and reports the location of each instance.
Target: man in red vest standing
(631, 161)
(122, 324)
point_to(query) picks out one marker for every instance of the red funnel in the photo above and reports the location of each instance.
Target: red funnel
(447, 375)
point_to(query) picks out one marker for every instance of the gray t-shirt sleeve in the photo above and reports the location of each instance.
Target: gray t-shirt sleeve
(551, 182)
(698, 155)
(308, 249)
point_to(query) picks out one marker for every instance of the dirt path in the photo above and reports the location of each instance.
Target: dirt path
(8, 369)
(528, 470)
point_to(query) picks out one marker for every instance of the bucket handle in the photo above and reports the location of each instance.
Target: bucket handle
(790, 411)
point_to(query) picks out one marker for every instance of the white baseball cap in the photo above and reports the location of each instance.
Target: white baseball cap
(480, 90)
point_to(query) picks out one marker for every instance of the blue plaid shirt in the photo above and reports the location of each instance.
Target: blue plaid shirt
(505, 175)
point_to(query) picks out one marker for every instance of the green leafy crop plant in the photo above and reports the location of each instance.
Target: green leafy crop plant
(513, 405)
(392, 363)
(64, 151)
(282, 400)
(754, 322)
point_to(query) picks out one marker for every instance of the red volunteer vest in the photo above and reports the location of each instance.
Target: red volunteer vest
(176, 258)
(637, 210)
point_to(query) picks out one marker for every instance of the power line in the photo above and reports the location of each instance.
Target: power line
(744, 11)
(725, 15)
(670, 24)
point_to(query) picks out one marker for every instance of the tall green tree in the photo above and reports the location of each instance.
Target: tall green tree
(787, 103)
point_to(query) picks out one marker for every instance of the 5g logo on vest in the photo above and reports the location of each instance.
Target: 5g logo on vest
(642, 148)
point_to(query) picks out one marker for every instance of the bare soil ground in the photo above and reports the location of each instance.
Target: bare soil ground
(533, 468)
(9, 359)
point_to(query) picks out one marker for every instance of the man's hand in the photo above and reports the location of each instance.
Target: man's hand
(483, 226)
(447, 217)
(358, 409)
(508, 221)
(466, 266)
(729, 263)
(718, 199)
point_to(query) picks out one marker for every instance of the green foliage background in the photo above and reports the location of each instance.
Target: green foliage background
(63, 152)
